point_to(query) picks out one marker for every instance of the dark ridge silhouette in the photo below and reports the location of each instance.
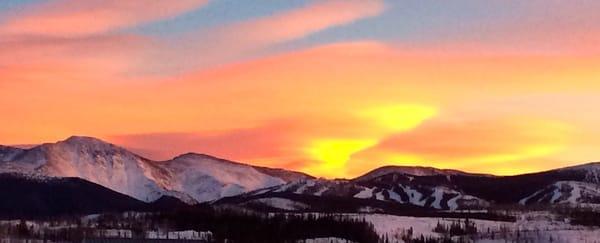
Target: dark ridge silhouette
(28, 197)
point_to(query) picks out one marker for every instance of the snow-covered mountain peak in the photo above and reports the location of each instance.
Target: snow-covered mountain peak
(208, 178)
(192, 155)
(192, 175)
(93, 160)
(203, 158)
(196, 177)
(84, 140)
(90, 144)
(198, 158)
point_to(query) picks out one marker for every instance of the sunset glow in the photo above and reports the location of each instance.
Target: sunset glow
(330, 88)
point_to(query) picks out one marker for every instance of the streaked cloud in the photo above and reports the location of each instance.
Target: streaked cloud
(72, 18)
(319, 86)
(297, 23)
(244, 39)
(473, 145)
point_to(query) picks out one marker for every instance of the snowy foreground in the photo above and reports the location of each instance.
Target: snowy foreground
(530, 227)
(325, 240)
(539, 226)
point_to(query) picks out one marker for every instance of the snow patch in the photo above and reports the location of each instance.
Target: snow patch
(321, 191)
(325, 240)
(366, 193)
(414, 196)
(394, 196)
(438, 194)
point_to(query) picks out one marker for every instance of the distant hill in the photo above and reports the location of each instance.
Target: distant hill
(27, 197)
(84, 174)
(437, 189)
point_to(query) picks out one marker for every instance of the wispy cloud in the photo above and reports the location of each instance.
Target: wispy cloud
(239, 40)
(72, 18)
(79, 40)
(298, 23)
(85, 36)
(472, 143)
(69, 67)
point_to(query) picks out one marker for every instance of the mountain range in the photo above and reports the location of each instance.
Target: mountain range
(118, 179)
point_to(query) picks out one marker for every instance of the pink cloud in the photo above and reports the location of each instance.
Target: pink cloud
(232, 42)
(80, 35)
(300, 22)
(97, 58)
(74, 40)
(71, 18)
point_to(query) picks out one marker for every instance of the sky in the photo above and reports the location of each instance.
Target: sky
(331, 88)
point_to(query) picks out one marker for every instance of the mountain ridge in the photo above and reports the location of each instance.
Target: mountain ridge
(568, 186)
(119, 169)
(416, 170)
(195, 177)
(413, 170)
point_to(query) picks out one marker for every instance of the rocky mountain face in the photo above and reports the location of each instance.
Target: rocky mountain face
(194, 178)
(190, 177)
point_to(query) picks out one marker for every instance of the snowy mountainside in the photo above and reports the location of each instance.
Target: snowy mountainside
(286, 175)
(436, 191)
(191, 177)
(529, 227)
(566, 192)
(450, 190)
(95, 161)
(396, 192)
(196, 178)
(206, 178)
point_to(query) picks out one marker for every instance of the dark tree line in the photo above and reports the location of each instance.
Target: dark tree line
(251, 227)
(225, 225)
(462, 227)
(581, 216)
(23, 231)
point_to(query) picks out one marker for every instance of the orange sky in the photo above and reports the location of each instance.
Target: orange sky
(331, 108)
